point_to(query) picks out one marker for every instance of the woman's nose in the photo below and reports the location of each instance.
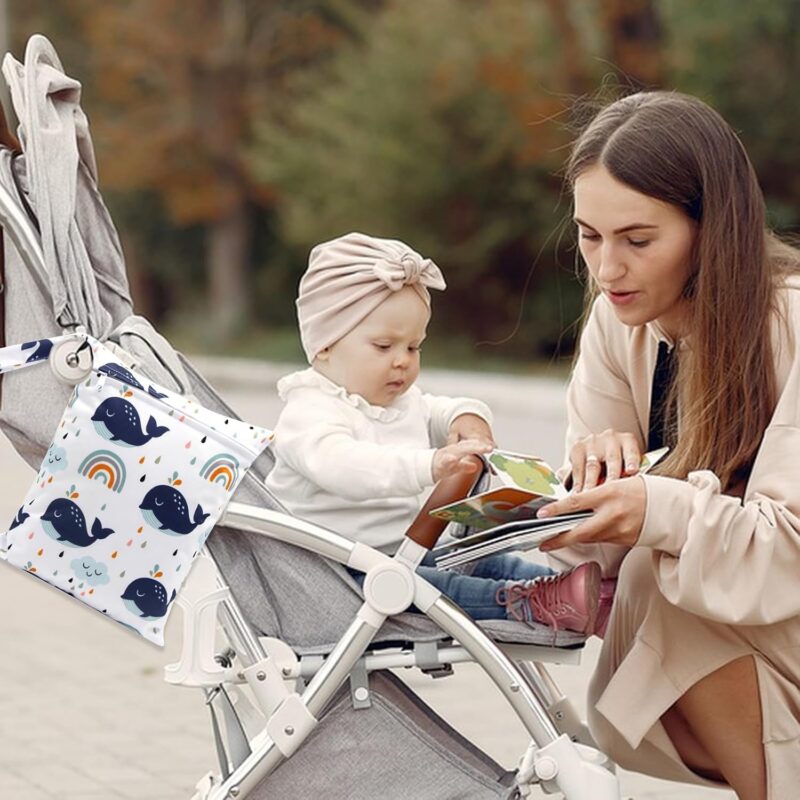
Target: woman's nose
(611, 266)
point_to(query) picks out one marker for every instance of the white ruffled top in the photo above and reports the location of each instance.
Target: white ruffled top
(359, 469)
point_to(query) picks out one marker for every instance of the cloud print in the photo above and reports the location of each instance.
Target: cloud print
(95, 573)
(56, 458)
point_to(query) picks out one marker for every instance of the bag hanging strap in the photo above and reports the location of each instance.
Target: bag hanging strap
(28, 354)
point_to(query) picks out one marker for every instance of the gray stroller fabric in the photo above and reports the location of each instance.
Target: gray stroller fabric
(287, 592)
(82, 280)
(395, 750)
(60, 178)
(29, 316)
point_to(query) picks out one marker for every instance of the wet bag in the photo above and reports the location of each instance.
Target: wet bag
(133, 482)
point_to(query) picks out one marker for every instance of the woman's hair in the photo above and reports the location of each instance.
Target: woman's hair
(676, 149)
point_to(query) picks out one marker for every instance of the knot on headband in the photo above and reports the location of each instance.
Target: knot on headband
(348, 277)
(409, 268)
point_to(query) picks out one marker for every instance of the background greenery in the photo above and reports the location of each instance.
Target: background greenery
(232, 135)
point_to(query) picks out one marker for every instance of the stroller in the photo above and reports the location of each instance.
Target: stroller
(302, 704)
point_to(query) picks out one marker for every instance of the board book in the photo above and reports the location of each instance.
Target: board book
(504, 517)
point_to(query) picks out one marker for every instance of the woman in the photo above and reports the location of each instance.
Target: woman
(691, 340)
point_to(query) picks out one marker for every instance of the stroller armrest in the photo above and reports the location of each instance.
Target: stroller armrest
(425, 530)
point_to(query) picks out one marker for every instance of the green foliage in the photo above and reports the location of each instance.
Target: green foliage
(433, 128)
(441, 123)
(744, 59)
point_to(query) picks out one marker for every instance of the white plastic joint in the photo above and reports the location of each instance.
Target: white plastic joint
(267, 684)
(70, 362)
(291, 723)
(389, 588)
(546, 768)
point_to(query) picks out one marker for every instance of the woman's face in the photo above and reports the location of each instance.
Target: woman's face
(638, 249)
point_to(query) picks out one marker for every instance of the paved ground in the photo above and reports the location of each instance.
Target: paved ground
(84, 713)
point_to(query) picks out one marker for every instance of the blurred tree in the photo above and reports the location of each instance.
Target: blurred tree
(180, 84)
(434, 127)
(175, 87)
(744, 59)
(635, 38)
(252, 130)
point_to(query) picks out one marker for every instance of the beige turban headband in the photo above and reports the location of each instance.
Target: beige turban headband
(349, 277)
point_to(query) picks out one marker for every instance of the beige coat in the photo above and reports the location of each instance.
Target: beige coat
(712, 578)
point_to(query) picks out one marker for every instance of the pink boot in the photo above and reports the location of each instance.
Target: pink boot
(568, 600)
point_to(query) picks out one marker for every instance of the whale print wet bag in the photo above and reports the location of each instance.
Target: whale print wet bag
(131, 486)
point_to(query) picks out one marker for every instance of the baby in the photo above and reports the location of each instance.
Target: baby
(358, 446)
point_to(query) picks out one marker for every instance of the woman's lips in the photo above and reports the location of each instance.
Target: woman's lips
(621, 298)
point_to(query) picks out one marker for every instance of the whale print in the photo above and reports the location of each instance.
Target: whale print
(19, 519)
(166, 509)
(64, 522)
(118, 421)
(147, 598)
(43, 348)
(121, 374)
(128, 490)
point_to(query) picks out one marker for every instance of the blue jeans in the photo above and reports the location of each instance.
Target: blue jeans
(476, 593)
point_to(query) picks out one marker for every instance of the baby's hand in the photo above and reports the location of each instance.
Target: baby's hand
(469, 426)
(455, 457)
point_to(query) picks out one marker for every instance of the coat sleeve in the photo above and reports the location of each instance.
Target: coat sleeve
(442, 411)
(323, 448)
(729, 560)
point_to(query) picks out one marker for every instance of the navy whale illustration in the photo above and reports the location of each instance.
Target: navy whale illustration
(118, 420)
(19, 519)
(43, 348)
(166, 510)
(64, 522)
(147, 597)
(119, 372)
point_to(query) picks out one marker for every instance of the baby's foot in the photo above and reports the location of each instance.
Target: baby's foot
(567, 600)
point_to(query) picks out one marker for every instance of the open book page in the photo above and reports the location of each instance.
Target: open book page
(520, 535)
(526, 483)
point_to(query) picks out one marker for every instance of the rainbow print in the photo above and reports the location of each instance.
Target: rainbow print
(105, 466)
(223, 469)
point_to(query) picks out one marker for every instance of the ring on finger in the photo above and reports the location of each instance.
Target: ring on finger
(592, 459)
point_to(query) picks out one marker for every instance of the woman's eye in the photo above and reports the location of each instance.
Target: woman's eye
(638, 242)
(590, 237)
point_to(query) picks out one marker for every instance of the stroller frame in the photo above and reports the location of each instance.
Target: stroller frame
(289, 694)
(561, 756)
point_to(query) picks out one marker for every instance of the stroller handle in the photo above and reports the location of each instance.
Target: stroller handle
(425, 530)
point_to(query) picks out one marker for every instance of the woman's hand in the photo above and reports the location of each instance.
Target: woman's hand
(455, 457)
(618, 507)
(470, 426)
(609, 454)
